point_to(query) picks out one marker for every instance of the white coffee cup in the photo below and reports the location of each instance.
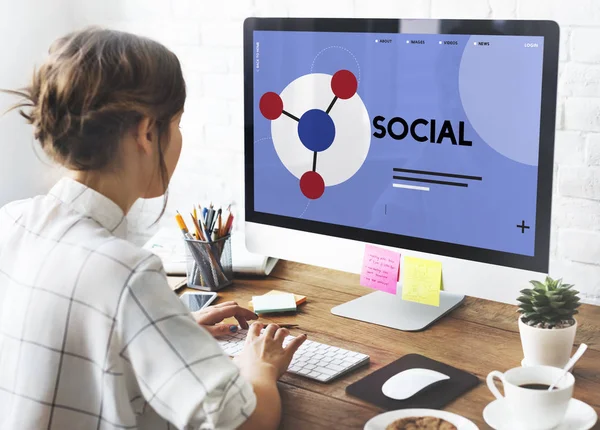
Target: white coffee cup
(529, 408)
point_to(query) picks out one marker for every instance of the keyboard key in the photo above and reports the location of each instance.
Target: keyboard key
(314, 374)
(325, 371)
(335, 367)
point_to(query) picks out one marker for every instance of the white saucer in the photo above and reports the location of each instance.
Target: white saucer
(381, 421)
(579, 416)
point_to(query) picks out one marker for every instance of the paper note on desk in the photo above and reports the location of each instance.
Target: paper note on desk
(422, 280)
(272, 303)
(380, 269)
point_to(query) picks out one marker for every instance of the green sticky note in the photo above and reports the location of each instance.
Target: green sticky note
(271, 303)
(422, 280)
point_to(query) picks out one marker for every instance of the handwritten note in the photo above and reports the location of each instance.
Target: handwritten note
(422, 281)
(380, 269)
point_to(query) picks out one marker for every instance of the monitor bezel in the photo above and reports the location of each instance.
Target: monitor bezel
(549, 30)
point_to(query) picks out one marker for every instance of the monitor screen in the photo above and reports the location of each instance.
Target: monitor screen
(427, 136)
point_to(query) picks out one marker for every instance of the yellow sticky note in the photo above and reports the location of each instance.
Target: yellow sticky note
(422, 280)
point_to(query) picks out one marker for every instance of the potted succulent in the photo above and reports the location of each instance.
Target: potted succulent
(547, 324)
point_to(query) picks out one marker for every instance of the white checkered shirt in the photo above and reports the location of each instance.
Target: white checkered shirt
(91, 336)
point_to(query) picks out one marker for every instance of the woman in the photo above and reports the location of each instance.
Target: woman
(91, 336)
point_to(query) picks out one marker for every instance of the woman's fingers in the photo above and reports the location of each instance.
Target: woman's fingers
(280, 335)
(294, 344)
(271, 330)
(216, 315)
(219, 330)
(254, 331)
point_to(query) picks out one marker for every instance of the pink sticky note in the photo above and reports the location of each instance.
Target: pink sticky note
(380, 269)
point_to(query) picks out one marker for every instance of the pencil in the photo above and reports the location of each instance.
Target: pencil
(226, 227)
(197, 227)
(219, 224)
(181, 224)
(229, 225)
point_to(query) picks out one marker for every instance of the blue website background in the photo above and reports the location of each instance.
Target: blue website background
(499, 85)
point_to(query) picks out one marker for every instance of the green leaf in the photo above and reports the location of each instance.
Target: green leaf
(542, 309)
(541, 301)
(538, 285)
(527, 292)
(526, 308)
(557, 305)
(524, 299)
(565, 311)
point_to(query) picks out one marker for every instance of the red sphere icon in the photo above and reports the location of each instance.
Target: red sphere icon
(271, 105)
(344, 84)
(312, 185)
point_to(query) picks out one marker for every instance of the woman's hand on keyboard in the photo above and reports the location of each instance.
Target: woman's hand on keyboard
(264, 355)
(210, 318)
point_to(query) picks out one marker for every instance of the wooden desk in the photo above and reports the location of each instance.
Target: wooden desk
(479, 337)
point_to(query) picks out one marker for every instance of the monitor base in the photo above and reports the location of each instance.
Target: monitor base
(391, 311)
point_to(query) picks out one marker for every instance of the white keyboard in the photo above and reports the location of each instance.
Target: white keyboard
(313, 360)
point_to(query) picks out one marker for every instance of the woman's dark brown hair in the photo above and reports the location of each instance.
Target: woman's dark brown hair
(96, 85)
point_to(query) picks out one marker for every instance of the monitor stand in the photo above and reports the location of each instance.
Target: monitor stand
(391, 311)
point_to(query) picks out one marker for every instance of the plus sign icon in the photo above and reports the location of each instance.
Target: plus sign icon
(320, 129)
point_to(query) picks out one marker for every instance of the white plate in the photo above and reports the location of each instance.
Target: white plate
(381, 421)
(579, 416)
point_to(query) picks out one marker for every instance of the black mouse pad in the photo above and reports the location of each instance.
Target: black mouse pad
(436, 396)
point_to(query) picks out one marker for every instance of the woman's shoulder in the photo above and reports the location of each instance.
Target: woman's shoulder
(132, 256)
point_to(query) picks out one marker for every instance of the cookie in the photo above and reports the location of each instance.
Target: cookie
(421, 423)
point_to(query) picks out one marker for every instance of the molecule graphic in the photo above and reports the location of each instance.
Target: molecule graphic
(316, 129)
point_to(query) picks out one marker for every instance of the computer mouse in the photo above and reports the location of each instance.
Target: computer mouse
(409, 382)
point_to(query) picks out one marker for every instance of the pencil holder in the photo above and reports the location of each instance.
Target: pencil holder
(209, 265)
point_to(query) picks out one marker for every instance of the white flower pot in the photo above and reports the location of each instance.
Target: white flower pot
(546, 347)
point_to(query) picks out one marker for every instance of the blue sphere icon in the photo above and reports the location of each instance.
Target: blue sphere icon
(316, 130)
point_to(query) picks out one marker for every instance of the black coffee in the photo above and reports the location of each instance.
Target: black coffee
(536, 386)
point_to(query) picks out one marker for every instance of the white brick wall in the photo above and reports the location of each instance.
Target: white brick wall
(207, 37)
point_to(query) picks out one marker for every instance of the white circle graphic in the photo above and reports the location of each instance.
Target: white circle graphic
(352, 139)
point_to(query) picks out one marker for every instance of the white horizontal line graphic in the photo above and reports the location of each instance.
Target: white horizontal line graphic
(410, 187)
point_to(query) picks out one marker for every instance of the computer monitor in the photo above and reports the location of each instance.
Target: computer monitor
(434, 138)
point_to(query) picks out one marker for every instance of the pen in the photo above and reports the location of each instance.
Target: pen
(287, 325)
(218, 222)
(209, 218)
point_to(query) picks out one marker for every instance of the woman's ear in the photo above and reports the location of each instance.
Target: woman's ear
(146, 135)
